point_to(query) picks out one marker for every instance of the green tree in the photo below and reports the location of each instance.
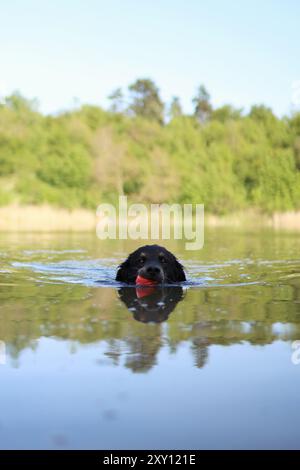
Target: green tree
(145, 100)
(117, 101)
(203, 107)
(262, 113)
(226, 113)
(175, 109)
(18, 103)
(294, 126)
(80, 157)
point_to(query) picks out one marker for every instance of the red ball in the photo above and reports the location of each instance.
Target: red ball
(142, 281)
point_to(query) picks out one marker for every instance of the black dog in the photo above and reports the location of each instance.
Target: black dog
(151, 264)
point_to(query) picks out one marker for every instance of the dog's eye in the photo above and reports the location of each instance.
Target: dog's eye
(162, 259)
(142, 260)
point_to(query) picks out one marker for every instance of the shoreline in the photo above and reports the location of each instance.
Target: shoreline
(46, 218)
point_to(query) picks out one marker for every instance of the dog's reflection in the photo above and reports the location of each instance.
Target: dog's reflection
(151, 304)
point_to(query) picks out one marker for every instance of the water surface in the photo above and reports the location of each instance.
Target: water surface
(88, 363)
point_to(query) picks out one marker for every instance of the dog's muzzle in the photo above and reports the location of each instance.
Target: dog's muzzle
(153, 272)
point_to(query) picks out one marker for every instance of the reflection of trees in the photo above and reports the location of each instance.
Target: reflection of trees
(200, 351)
(204, 317)
(142, 352)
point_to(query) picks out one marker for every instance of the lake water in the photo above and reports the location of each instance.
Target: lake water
(85, 364)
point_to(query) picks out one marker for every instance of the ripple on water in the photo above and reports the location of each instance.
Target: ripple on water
(101, 272)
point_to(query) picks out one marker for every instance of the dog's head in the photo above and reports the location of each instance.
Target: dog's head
(153, 263)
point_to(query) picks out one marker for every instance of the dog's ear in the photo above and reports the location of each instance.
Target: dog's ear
(178, 274)
(122, 273)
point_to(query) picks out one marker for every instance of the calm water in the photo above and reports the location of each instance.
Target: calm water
(85, 364)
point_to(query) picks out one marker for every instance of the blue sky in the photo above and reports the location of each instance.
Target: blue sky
(244, 52)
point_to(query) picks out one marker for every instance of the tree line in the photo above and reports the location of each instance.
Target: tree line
(220, 156)
(143, 99)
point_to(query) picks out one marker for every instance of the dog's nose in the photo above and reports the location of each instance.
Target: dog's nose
(153, 270)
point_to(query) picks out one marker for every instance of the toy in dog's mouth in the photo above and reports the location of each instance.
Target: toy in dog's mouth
(142, 281)
(144, 286)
